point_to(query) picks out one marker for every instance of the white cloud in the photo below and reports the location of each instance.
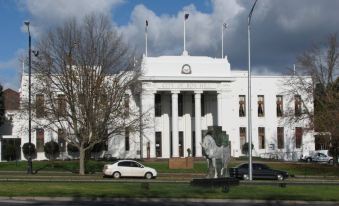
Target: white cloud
(11, 70)
(280, 29)
(166, 32)
(51, 12)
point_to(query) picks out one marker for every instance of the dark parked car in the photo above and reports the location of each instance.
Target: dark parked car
(259, 171)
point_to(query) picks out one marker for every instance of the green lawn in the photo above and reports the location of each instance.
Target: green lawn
(162, 167)
(168, 190)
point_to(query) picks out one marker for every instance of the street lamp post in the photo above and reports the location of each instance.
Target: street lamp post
(249, 93)
(30, 165)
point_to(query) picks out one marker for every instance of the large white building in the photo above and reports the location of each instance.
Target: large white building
(185, 94)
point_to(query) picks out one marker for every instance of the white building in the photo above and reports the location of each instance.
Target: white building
(186, 94)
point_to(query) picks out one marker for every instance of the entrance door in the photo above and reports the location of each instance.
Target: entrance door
(158, 144)
(181, 144)
(193, 144)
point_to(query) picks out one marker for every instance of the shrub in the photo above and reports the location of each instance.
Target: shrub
(245, 149)
(52, 150)
(72, 149)
(29, 149)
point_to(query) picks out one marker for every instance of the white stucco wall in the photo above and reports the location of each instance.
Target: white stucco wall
(211, 76)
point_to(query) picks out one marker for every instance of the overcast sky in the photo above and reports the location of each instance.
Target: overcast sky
(280, 29)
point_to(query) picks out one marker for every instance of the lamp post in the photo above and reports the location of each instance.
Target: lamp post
(249, 93)
(29, 166)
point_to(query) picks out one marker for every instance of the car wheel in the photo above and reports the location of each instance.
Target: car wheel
(308, 160)
(148, 175)
(280, 177)
(116, 175)
(330, 162)
(246, 177)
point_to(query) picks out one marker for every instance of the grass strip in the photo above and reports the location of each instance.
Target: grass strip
(300, 169)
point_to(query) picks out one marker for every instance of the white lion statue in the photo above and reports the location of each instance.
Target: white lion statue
(214, 153)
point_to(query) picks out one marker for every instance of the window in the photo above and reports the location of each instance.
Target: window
(297, 105)
(279, 105)
(242, 106)
(61, 105)
(124, 164)
(280, 137)
(193, 105)
(193, 143)
(261, 135)
(171, 144)
(242, 132)
(202, 105)
(261, 106)
(158, 146)
(127, 139)
(157, 105)
(181, 144)
(298, 137)
(180, 105)
(322, 142)
(126, 105)
(40, 140)
(61, 140)
(40, 105)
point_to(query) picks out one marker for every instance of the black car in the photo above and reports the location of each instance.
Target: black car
(259, 171)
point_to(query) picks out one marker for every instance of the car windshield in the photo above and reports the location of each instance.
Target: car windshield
(243, 166)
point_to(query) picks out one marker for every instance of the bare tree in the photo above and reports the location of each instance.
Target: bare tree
(316, 80)
(85, 76)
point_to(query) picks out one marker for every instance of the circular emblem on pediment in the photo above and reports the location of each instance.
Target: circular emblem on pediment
(186, 69)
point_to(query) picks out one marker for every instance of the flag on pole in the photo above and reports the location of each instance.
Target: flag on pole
(225, 25)
(146, 26)
(186, 16)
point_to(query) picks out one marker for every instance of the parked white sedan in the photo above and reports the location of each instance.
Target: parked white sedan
(128, 168)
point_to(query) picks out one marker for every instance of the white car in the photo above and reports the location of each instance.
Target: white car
(128, 168)
(318, 157)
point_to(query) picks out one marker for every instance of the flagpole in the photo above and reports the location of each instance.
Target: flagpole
(249, 93)
(146, 30)
(185, 33)
(222, 41)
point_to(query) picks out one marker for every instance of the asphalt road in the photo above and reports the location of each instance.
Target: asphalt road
(150, 202)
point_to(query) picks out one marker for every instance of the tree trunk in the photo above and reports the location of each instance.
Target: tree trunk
(82, 161)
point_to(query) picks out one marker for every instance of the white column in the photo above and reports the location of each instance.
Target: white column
(166, 109)
(175, 133)
(148, 136)
(197, 99)
(219, 96)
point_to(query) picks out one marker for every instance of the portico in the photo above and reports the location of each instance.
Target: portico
(181, 110)
(182, 98)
